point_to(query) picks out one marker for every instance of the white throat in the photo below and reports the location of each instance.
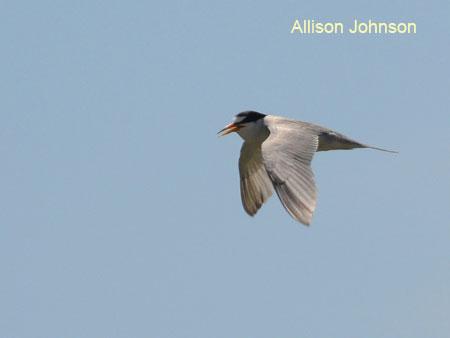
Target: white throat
(254, 131)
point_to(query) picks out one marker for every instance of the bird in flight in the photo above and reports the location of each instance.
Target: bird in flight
(276, 155)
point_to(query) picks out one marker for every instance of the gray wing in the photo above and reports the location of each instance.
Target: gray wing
(256, 187)
(287, 155)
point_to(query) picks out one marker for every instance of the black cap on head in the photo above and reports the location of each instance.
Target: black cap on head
(248, 116)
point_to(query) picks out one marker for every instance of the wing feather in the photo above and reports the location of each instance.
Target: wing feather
(287, 155)
(256, 187)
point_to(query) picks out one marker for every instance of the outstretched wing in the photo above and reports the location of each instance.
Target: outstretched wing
(287, 155)
(256, 187)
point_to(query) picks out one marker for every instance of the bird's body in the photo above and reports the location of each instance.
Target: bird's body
(276, 155)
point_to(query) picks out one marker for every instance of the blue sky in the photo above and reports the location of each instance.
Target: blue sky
(120, 207)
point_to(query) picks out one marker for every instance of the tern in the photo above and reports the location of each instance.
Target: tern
(276, 155)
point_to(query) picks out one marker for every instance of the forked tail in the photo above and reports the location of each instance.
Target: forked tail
(389, 151)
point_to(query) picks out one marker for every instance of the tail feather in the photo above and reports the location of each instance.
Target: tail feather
(331, 140)
(389, 151)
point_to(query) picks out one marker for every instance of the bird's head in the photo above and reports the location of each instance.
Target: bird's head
(247, 124)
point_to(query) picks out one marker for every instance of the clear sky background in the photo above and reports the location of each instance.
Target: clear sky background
(120, 207)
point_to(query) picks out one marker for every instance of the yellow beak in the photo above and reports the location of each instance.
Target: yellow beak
(229, 129)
